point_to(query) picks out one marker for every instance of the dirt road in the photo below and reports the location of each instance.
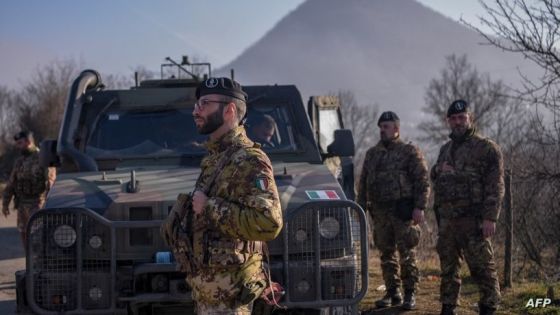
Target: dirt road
(12, 258)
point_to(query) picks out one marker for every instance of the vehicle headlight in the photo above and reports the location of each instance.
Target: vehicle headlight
(64, 236)
(95, 242)
(303, 286)
(301, 235)
(95, 293)
(329, 227)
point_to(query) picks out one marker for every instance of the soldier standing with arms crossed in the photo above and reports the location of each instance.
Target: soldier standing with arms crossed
(235, 207)
(394, 187)
(469, 187)
(28, 184)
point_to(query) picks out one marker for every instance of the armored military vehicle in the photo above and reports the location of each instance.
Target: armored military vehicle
(125, 155)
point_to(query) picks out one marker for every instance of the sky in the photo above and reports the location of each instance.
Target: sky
(114, 37)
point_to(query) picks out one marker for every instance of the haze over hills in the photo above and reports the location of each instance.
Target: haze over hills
(385, 51)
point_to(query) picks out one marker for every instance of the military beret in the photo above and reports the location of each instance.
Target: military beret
(222, 86)
(388, 116)
(458, 106)
(23, 135)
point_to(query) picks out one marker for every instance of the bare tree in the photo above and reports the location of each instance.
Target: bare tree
(496, 114)
(532, 29)
(8, 123)
(7, 114)
(42, 100)
(362, 121)
(117, 81)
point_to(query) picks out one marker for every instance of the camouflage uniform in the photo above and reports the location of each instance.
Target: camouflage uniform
(28, 185)
(390, 174)
(242, 212)
(463, 198)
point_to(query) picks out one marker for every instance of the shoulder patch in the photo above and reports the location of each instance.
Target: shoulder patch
(262, 183)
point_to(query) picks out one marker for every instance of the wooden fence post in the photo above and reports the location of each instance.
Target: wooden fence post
(508, 207)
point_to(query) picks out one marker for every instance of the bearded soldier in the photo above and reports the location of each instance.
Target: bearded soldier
(394, 188)
(234, 209)
(469, 188)
(28, 183)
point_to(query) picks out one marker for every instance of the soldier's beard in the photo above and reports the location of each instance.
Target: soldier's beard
(26, 151)
(212, 123)
(386, 139)
(459, 131)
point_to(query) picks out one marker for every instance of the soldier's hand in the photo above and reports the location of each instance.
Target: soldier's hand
(199, 201)
(488, 228)
(418, 216)
(446, 167)
(5, 211)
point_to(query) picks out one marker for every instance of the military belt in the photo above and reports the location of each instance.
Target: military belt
(450, 210)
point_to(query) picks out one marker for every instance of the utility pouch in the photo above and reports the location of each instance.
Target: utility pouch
(250, 291)
(404, 208)
(176, 236)
(454, 188)
(386, 186)
(172, 224)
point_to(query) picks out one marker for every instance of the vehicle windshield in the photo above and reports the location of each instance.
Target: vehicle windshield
(172, 132)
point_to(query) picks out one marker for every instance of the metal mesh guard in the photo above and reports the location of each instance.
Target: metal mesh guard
(69, 261)
(325, 254)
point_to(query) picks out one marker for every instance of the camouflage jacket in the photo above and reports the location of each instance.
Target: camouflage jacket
(476, 185)
(243, 208)
(393, 172)
(28, 181)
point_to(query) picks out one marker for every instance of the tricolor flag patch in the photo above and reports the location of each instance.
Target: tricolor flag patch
(322, 194)
(262, 183)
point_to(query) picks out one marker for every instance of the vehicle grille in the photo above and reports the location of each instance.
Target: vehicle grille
(69, 261)
(325, 254)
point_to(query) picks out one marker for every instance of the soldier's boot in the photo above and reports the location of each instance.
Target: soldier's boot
(448, 309)
(409, 302)
(392, 297)
(486, 310)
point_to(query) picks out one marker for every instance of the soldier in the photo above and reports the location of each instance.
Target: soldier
(28, 183)
(469, 188)
(262, 131)
(394, 188)
(235, 207)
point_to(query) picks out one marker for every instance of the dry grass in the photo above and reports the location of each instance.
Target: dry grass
(514, 300)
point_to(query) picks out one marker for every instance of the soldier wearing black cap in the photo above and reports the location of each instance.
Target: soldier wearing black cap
(235, 207)
(394, 188)
(469, 188)
(28, 183)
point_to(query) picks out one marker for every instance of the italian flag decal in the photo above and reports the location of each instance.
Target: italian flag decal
(262, 183)
(321, 194)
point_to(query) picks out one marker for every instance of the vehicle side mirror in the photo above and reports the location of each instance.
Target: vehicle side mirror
(47, 155)
(343, 144)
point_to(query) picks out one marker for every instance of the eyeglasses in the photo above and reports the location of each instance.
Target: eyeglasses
(202, 104)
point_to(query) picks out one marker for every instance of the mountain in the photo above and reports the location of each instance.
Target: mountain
(385, 51)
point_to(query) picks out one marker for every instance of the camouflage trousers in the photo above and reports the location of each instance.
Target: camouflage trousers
(460, 239)
(390, 235)
(222, 292)
(25, 210)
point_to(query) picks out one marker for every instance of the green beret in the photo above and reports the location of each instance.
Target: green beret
(222, 86)
(458, 106)
(388, 116)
